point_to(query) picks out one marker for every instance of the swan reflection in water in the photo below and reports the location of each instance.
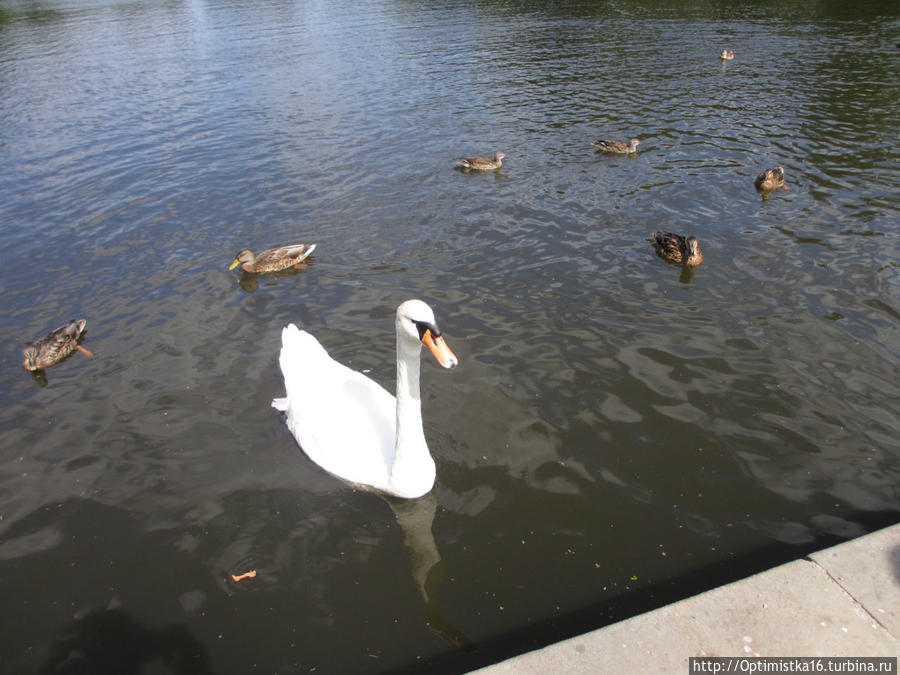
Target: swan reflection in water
(416, 518)
(304, 556)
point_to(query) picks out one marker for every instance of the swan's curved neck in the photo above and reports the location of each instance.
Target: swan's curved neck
(413, 466)
(409, 399)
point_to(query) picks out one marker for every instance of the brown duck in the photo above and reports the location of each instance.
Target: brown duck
(54, 347)
(482, 163)
(273, 259)
(620, 147)
(770, 179)
(678, 249)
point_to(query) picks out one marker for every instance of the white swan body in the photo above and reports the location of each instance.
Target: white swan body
(351, 426)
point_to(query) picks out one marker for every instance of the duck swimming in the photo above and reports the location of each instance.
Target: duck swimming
(770, 179)
(482, 163)
(351, 426)
(619, 147)
(678, 249)
(55, 346)
(273, 259)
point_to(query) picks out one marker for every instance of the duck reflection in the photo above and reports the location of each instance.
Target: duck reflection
(40, 378)
(250, 282)
(687, 275)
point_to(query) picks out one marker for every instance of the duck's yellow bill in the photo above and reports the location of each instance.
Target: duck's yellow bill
(438, 347)
(234, 264)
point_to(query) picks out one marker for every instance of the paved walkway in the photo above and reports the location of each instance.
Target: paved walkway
(843, 601)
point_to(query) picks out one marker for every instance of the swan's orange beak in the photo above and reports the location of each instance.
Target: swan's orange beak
(438, 347)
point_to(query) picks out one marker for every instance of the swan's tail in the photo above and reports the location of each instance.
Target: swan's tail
(297, 347)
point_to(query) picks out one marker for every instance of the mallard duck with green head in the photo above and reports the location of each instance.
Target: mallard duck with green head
(481, 163)
(678, 249)
(619, 147)
(273, 259)
(770, 179)
(55, 346)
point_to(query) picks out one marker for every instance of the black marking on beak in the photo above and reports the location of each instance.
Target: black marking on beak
(423, 326)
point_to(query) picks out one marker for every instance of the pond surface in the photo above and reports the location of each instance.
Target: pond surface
(620, 433)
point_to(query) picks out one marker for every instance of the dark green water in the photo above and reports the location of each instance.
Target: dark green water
(619, 434)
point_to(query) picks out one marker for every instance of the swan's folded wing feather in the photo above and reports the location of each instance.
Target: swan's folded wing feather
(337, 415)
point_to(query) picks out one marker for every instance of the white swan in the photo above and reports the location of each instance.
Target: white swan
(351, 426)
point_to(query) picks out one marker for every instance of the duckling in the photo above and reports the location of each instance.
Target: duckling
(770, 179)
(54, 347)
(727, 55)
(678, 249)
(619, 147)
(273, 259)
(481, 163)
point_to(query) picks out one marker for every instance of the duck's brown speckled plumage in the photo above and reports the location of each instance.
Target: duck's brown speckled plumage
(273, 259)
(54, 347)
(620, 147)
(770, 179)
(482, 163)
(678, 249)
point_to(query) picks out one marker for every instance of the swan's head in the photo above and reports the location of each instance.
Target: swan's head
(415, 322)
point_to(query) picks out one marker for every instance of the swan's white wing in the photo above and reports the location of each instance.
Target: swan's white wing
(344, 421)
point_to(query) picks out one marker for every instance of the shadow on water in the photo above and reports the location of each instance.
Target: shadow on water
(110, 642)
(87, 556)
(118, 598)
